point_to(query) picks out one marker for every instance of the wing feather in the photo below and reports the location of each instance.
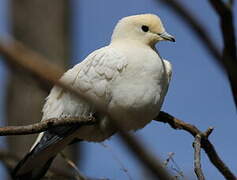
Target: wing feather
(92, 76)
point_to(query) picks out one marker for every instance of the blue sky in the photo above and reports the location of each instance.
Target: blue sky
(199, 92)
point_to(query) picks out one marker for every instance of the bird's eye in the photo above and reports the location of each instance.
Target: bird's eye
(145, 28)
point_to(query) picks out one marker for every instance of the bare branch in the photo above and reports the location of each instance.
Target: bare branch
(207, 133)
(205, 143)
(122, 167)
(228, 33)
(175, 168)
(197, 157)
(170, 155)
(177, 123)
(45, 125)
(228, 62)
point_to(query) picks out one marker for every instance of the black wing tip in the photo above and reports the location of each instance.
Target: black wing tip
(16, 170)
(34, 174)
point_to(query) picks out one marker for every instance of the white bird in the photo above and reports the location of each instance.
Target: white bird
(127, 78)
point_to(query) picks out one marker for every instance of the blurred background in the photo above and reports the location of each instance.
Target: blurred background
(67, 31)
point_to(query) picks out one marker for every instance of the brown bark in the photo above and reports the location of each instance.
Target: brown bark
(44, 26)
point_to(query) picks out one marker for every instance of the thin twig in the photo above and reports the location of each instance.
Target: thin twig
(197, 157)
(228, 63)
(207, 133)
(205, 143)
(176, 167)
(46, 125)
(145, 157)
(122, 167)
(78, 176)
(170, 155)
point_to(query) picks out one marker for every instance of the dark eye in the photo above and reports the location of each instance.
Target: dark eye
(145, 28)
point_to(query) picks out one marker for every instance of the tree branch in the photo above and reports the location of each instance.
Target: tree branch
(46, 125)
(197, 157)
(228, 33)
(205, 143)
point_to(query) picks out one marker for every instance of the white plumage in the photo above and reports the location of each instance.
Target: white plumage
(127, 78)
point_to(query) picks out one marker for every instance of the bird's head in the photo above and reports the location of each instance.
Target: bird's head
(146, 28)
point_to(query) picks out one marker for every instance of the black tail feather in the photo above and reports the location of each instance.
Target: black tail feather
(35, 174)
(36, 163)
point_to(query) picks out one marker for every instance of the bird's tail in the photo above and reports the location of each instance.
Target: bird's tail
(36, 163)
(32, 167)
(22, 171)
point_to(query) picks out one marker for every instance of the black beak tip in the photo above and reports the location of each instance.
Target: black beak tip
(172, 39)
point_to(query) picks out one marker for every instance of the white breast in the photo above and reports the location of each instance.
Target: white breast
(139, 92)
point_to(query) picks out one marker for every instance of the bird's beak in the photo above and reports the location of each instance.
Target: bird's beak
(167, 36)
